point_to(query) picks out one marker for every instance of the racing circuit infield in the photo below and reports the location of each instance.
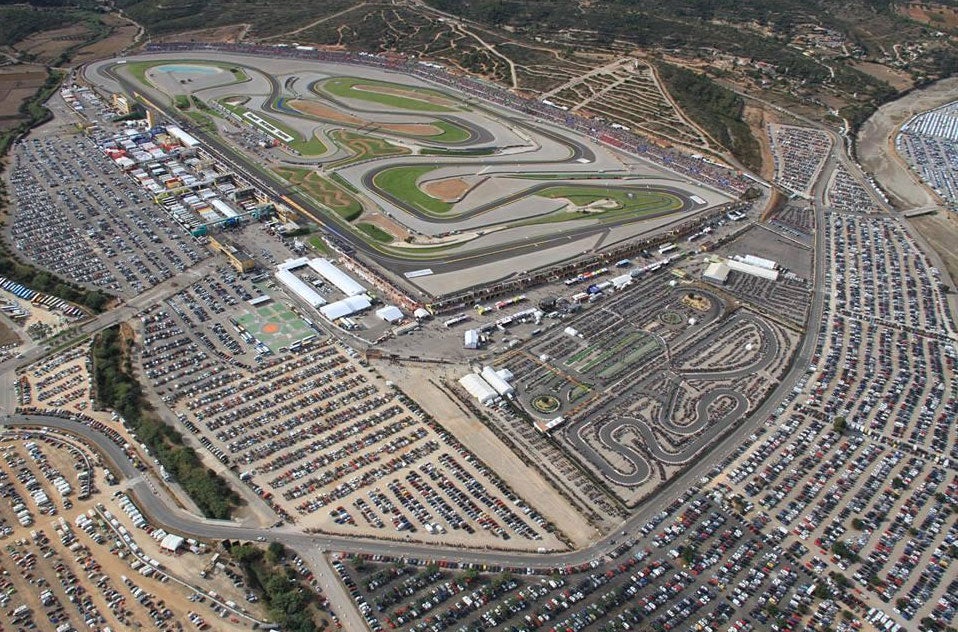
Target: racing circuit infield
(508, 166)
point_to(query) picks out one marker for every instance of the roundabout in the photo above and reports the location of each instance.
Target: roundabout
(546, 404)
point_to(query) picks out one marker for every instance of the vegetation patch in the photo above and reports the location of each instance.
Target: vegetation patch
(118, 389)
(401, 184)
(322, 191)
(546, 404)
(375, 232)
(606, 204)
(717, 109)
(20, 22)
(363, 147)
(391, 94)
(290, 604)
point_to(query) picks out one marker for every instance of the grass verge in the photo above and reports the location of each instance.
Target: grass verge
(375, 232)
(323, 191)
(401, 97)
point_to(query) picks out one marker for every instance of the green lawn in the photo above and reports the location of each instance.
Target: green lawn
(202, 120)
(450, 133)
(375, 232)
(346, 87)
(401, 183)
(629, 202)
(318, 244)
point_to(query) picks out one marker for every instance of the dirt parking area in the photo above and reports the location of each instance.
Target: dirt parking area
(71, 554)
(941, 233)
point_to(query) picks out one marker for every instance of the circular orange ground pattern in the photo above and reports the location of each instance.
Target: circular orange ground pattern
(270, 328)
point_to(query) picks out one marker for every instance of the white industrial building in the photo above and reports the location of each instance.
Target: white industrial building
(298, 287)
(768, 264)
(346, 307)
(754, 270)
(346, 284)
(183, 137)
(717, 272)
(471, 339)
(496, 381)
(390, 313)
(172, 542)
(478, 388)
(422, 313)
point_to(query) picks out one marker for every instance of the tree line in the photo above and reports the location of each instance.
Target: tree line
(118, 389)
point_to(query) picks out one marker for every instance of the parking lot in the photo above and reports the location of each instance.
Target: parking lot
(871, 508)
(799, 153)
(694, 566)
(79, 217)
(317, 434)
(78, 555)
(847, 195)
(929, 142)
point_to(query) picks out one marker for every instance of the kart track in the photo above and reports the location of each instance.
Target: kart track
(702, 430)
(416, 177)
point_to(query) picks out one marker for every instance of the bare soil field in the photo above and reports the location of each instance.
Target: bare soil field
(7, 334)
(313, 108)
(447, 190)
(934, 15)
(897, 80)
(123, 35)
(48, 45)
(320, 111)
(941, 232)
(17, 83)
(395, 229)
(875, 143)
(758, 118)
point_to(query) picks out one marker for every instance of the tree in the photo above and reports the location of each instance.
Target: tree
(275, 552)
(839, 425)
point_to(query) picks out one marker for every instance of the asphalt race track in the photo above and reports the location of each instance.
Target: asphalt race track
(500, 220)
(640, 468)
